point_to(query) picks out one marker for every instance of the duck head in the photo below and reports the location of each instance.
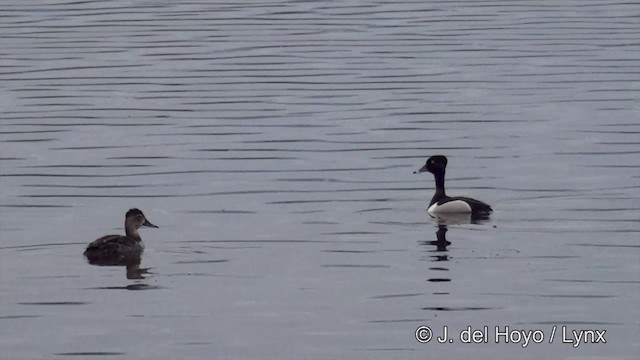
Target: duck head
(135, 219)
(435, 164)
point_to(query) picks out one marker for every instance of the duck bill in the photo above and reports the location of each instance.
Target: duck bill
(421, 170)
(148, 224)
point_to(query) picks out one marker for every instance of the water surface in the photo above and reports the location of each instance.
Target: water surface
(274, 145)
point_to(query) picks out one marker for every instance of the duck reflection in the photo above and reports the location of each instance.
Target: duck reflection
(440, 243)
(440, 252)
(443, 220)
(440, 257)
(131, 262)
(459, 218)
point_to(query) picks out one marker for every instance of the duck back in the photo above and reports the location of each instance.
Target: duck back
(112, 250)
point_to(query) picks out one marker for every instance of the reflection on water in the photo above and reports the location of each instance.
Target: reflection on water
(460, 218)
(131, 262)
(443, 264)
(134, 287)
(92, 353)
(441, 243)
(135, 272)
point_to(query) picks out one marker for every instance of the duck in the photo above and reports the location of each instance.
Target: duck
(441, 203)
(120, 249)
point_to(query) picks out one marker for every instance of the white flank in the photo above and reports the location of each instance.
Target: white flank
(450, 207)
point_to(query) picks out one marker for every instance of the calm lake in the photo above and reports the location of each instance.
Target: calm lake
(273, 143)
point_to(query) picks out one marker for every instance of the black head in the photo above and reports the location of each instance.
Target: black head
(436, 163)
(136, 217)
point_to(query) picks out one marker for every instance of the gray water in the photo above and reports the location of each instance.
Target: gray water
(273, 143)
